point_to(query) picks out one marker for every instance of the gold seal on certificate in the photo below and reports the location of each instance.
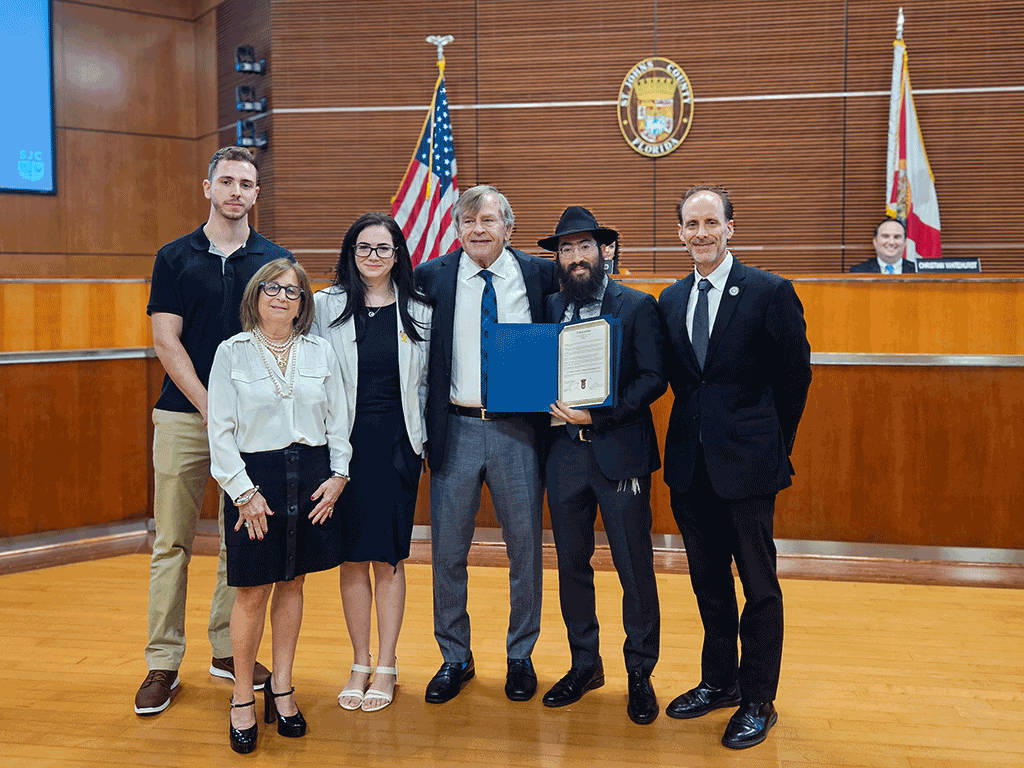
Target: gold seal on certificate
(584, 363)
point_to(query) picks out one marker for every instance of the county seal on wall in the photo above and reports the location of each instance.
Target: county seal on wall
(655, 106)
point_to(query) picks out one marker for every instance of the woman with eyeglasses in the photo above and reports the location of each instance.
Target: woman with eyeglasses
(278, 429)
(378, 323)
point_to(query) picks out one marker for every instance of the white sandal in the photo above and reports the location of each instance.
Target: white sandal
(355, 693)
(376, 693)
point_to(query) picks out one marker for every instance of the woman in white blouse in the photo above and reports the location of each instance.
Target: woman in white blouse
(379, 325)
(278, 428)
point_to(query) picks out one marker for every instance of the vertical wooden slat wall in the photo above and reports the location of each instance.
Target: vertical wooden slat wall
(791, 114)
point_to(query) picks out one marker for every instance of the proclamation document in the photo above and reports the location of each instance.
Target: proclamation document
(584, 363)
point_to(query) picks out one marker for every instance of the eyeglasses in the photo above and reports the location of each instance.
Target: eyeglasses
(587, 248)
(385, 252)
(272, 289)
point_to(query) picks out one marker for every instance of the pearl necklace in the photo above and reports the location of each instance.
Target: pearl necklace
(279, 351)
(266, 363)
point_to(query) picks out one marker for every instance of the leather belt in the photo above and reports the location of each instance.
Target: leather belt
(584, 435)
(478, 413)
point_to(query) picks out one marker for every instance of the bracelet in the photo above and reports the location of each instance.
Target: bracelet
(246, 497)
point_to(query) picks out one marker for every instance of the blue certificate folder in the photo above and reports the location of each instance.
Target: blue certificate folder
(523, 366)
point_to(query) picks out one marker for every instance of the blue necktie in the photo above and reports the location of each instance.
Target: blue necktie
(889, 269)
(488, 316)
(700, 323)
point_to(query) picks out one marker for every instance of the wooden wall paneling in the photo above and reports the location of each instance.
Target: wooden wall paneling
(783, 159)
(911, 455)
(65, 316)
(914, 316)
(130, 194)
(205, 31)
(74, 454)
(126, 72)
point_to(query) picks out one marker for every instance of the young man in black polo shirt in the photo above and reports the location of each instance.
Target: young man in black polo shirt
(194, 302)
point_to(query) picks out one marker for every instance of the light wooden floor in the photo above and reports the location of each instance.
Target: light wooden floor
(874, 675)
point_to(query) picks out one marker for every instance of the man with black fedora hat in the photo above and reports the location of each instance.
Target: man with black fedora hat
(604, 458)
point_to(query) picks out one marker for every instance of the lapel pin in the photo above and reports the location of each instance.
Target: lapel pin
(734, 291)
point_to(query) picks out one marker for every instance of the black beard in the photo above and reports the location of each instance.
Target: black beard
(579, 290)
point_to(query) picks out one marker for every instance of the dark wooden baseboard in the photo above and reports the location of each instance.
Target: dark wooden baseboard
(92, 545)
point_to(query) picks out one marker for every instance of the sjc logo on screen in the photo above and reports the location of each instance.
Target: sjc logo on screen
(30, 165)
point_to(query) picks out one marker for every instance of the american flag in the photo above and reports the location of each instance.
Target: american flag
(423, 204)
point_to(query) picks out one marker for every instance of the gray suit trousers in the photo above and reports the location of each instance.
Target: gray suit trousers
(502, 454)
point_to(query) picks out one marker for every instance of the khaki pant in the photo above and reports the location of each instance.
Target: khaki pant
(181, 459)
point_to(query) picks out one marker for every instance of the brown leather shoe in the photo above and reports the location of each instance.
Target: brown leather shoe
(156, 692)
(225, 668)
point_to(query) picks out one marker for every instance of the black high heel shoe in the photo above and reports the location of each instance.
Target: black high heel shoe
(292, 726)
(242, 741)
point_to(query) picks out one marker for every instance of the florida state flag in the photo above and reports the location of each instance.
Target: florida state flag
(911, 186)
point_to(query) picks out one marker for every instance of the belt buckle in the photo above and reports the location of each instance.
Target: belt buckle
(579, 434)
(483, 415)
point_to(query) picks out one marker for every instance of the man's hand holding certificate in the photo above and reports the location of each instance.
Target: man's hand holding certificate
(534, 365)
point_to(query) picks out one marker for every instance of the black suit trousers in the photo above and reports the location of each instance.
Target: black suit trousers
(716, 532)
(576, 488)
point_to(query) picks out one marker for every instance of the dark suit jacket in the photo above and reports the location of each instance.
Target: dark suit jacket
(438, 278)
(742, 410)
(624, 441)
(871, 265)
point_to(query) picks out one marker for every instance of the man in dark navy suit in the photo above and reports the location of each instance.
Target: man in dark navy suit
(604, 457)
(482, 282)
(738, 361)
(890, 242)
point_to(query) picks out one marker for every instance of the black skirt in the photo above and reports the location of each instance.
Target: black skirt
(379, 503)
(293, 545)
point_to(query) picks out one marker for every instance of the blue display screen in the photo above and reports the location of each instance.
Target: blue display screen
(26, 93)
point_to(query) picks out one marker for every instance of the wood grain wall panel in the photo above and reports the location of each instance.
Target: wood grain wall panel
(205, 30)
(74, 455)
(151, 193)
(332, 54)
(807, 174)
(910, 455)
(914, 316)
(938, 316)
(125, 72)
(64, 316)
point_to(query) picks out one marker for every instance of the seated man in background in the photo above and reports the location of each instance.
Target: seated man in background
(890, 242)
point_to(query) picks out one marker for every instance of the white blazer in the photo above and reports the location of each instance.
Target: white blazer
(412, 356)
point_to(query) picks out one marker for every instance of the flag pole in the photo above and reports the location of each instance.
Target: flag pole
(440, 41)
(899, 24)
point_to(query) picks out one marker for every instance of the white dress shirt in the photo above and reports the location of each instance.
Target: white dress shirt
(897, 268)
(513, 307)
(718, 280)
(247, 415)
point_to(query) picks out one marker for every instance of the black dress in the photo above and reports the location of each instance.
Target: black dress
(379, 502)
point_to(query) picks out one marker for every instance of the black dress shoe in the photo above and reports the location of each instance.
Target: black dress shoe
(750, 724)
(292, 726)
(521, 680)
(243, 740)
(576, 682)
(701, 700)
(446, 684)
(643, 704)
